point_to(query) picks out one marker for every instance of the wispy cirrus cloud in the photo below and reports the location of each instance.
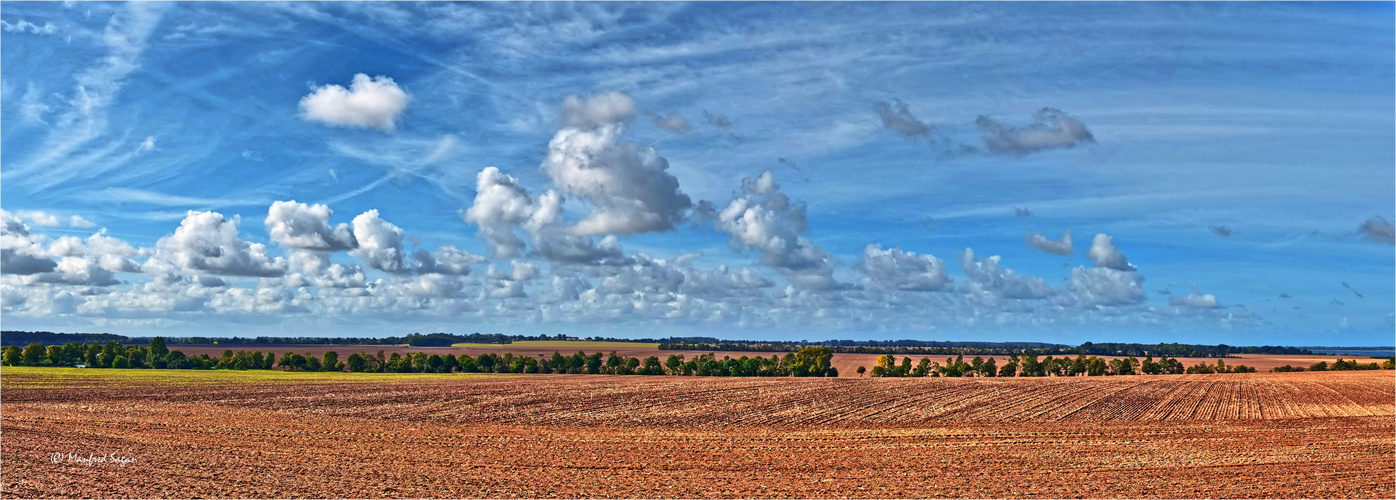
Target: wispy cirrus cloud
(85, 118)
(153, 198)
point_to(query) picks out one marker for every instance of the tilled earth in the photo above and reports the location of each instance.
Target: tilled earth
(1320, 435)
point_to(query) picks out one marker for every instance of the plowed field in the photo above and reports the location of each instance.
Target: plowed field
(1317, 435)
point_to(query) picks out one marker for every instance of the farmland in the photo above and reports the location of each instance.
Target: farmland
(846, 363)
(217, 433)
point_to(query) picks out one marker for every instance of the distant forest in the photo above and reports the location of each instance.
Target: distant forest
(21, 338)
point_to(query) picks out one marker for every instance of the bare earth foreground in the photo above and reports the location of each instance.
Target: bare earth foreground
(224, 434)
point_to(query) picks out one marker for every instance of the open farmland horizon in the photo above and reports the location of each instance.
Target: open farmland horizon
(965, 249)
(846, 363)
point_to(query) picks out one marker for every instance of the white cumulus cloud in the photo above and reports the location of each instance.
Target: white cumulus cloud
(367, 103)
(901, 270)
(987, 278)
(209, 242)
(1106, 286)
(1196, 300)
(627, 185)
(764, 219)
(380, 242)
(1104, 253)
(20, 252)
(292, 224)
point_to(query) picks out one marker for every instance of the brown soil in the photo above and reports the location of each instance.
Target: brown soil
(1319, 435)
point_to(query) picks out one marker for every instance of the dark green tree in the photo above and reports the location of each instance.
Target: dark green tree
(674, 363)
(1096, 366)
(356, 363)
(135, 356)
(1028, 366)
(109, 352)
(91, 354)
(54, 356)
(330, 362)
(1009, 369)
(923, 368)
(435, 363)
(157, 348)
(449, 363)
(594, 363)
(652, 366)
(486, 362)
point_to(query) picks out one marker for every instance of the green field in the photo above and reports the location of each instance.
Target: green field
(567, 345)
(38, 377)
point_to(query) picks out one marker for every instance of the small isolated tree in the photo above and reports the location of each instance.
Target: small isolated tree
(1321, 366)
(862, 370)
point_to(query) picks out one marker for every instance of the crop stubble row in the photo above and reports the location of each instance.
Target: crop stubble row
(658, 401)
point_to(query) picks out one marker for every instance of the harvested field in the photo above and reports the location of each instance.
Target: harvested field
(409, 435)
(847, 363)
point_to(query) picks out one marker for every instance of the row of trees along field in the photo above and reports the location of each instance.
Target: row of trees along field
(991, 348)
(1339, 366)
(807, 362)
(1028, 365)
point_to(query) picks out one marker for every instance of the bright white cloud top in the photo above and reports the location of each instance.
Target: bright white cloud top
(368, 102)
(702, 169)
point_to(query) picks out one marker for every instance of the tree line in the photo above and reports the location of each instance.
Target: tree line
(1339, 366)
(1028, 365)
(995, 348)
(808, 362)
(114, 355)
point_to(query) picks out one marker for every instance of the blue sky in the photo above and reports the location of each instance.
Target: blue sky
(771, 170)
